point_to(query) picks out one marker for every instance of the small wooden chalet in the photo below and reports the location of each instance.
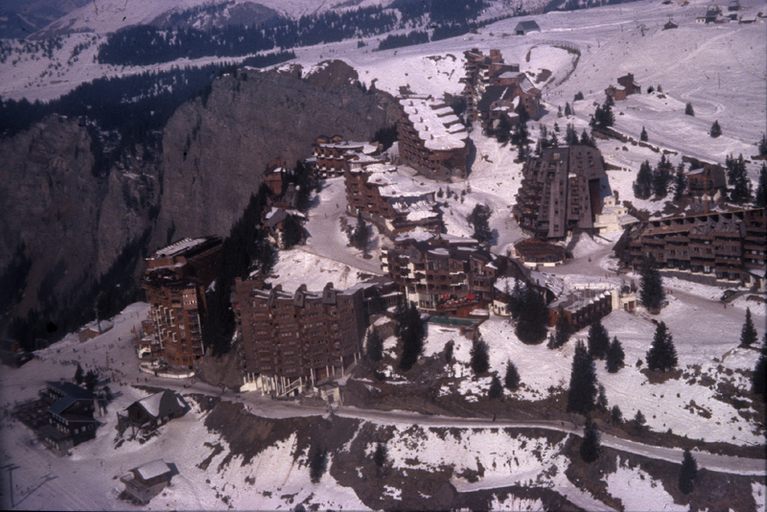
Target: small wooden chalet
(626, 87)
(147, 481)
(152, 411)
(70, 416)
(707, 181)
(525, 27)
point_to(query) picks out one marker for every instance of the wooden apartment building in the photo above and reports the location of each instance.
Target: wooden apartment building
(175, 281)
(726, 246)
(332, 155)
(432, 139)
(443, 274)
(392, 200)
(293, 340)
(562, 190)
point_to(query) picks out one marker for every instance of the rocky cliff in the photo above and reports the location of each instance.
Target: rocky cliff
(72, 222)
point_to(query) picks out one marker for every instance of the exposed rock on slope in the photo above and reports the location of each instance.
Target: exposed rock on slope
(216, 148)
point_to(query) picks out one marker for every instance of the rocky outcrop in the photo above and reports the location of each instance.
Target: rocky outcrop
(73, 222)
(215, 149)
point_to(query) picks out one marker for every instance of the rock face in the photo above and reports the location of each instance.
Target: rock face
(73, 224)
(215, 149)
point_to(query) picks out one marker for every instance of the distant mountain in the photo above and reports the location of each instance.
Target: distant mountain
(20, 18)
(208, 16)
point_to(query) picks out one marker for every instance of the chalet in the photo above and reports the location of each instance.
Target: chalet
(70, 416)
(706, 182)
(581, 307)
(670, 25)
(525, 27)
(713, 12)
(152, 411)
(147, 481)
(626, 87)
(275, 223)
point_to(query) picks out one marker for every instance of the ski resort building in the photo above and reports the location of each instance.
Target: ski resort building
(626, 87)
(391, 199)
(144, 482)
(708, 182)
(525, 27)
(175, 281)
(562, 190)
(724, 246)
(443, 274)
(332, 155)
(432, 139)
(70, 411)
(294, 340)
(147, 414)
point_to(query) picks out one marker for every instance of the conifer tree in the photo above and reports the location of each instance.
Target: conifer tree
(763, 145)
(586, 140)
(590, 445)
(374, 348)
(449, 348)
(688, 110)
(759, 378)
(79, 375)
(688, 472)
(360, 234)
(480, 360)
(91, 379)
(644, 182)
(479, 218)
(616, 415)
(639, 420)
(651, 292)
(511, 380)
(739, 180)
(563, 329)
(496, 390)
(661, 178)
(571, 136)
(598, 340)
(503, 131)
(615, 356)
(516, 300)
(715, 130)
(761, 189)
(643, 135)
(569, 111)
(411, 333)
(318, 461)
(533, 318)
(582, 393)
(293, 231)
(680, 184)
(601, 403)
(380, 457)
(748, 332)
(662, 354)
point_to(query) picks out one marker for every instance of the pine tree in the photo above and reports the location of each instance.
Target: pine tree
(449, 348)
(688, 472)
(688, 110)
(616, 416)
(716, 130)
(533, 318)
(516, 300)
(496, 390)
(571, 136)
(759, 378)
(680, 185)
(586, 140)
(380, 457)
(360, 234)
(643, 135)
(410, 331)
(615, 356)
(763, 145)
(639, 420)
(601, 403)
(318, 461)
(583, 382)
(511, 380)
(651, 294)
(748, 332)
(661, 178)
(569, 110)
(662, 354)
(293, 231)
(503, 131)
(479, 218)
(374, 348)
(761, 189)
(644, 182)
(598, 340)
(79, 375)
(480, 360)
(563, 329)
(590, 445)
(739, 180)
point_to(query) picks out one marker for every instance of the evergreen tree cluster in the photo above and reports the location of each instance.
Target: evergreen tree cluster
(651, 292)
(680, 182)
(318, 463)
(374, 346)
(532, 316)
(563, 331)
(603, 115)
(688, 472)
(661, 178)
(598, 340)
(761, 189)
(759, 377)
(359, 236)
(399, 40)
(643, 185)
(662, 353)
(410, 331)
(590, 445)
(615, 356)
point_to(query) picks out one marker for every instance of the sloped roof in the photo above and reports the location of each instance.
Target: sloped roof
(153, 469)
(68, 389)
(527, 26)
(164, 403)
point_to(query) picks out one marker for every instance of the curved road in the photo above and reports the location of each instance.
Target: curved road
(269, 408)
